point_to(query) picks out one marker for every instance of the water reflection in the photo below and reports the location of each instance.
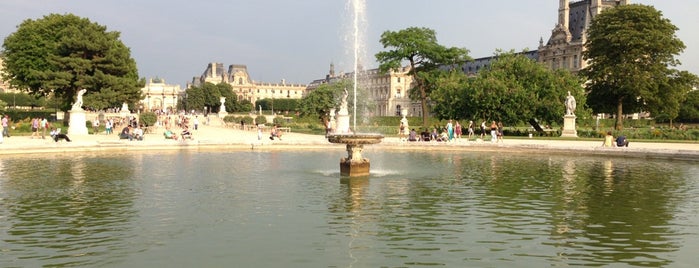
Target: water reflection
(65, 210)
(417, 208)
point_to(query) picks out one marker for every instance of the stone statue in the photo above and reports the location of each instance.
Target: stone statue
(343, 104)
(570, 104)
(223, 106)
(78, 105)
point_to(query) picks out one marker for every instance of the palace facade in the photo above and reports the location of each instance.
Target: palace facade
(387, 91)
(244, 87)
(565, 46)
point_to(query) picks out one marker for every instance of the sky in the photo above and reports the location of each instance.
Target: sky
(297, 40)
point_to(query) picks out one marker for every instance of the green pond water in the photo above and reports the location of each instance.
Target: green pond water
(292, 209)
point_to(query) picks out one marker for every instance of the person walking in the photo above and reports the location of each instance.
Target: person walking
(470, 130)
(457, 130)
(6, 126)
(35, 128)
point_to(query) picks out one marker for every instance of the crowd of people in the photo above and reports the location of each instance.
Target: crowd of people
(453, 131)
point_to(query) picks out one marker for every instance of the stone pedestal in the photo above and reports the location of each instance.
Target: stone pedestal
(77, 123)
(222, 114)
(354, 165)
(569, 130)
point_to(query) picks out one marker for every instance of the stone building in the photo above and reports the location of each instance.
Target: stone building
(388, 92)
(159, 96)
(566, 44)
(244, 87)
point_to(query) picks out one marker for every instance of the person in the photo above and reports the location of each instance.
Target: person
(108, 126)
(6, 126)
(450, 130)
(608, 140)
(413, 135)
(500, 132)
(457, 130)
(401, 132)
(35, 127)
(95, 126)
(196, 122)
(276, 132)
(126, 133)
(434, 135)
(483, 130)
(493, 131)
(57, 135)
(138, 133)
(621, 141)
(470, 130)
(168, 134)
(44, 125)
(185, 133)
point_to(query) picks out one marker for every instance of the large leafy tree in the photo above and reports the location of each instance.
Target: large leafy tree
(62, 54)
(630, 50)
(325, 97)
(689, 109)
(513, 89)
(419, 47)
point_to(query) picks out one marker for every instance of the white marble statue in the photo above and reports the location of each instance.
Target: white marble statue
(223, 106)
(570, 104)
(78, 105)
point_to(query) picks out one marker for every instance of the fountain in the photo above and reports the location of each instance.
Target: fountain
(354, 165)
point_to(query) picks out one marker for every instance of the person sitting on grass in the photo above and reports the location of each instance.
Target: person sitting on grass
(185, 133)
(169, 134)
(57, 135)
(276, 132)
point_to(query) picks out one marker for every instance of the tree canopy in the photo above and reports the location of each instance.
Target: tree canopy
(419, 47)
(61, 54)
(513, 89)
(630, 50)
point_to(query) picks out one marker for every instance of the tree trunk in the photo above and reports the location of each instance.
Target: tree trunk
(423, 99)
(619, 116)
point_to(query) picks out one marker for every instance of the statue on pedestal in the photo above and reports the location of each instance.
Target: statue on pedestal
(78, 105)
(223, 106)
(570, 104)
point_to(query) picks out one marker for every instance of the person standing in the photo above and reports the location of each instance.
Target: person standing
(450, 130)
(493, 131)
(483, 130)
(500, 132)
(95, 126)
(6, 126)
(108, 124)
(44, 125)
(196, 122)
(457, 130)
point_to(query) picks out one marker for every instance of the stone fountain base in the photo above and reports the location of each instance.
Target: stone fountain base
(354, 165)
(354, 169)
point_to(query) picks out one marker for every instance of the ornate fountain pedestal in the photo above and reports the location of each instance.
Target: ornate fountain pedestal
(354, 165)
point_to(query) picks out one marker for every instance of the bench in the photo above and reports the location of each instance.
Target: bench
(285, 129)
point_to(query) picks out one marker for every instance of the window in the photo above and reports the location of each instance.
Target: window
(575, 61)
(398, 79)
(240, 81)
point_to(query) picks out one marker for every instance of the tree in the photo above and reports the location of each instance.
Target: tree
(513, 89)
(419, 47)
(60, 54)
(630, 49)
(689, 110)
(319, 102)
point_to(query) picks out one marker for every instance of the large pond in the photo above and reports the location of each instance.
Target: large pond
(292, 209)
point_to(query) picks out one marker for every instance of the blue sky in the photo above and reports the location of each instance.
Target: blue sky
(297, 40)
